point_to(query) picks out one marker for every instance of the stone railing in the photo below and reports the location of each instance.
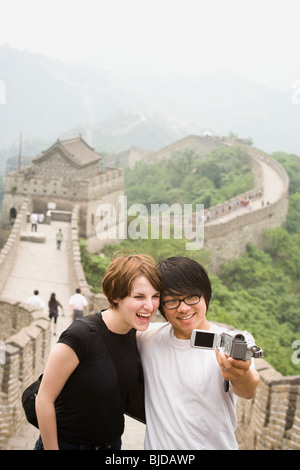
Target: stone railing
(25, 345)
(271, 420)
(228, 239)
(96, 302)
(9, 251)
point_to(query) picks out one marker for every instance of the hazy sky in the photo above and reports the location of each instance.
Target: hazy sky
(259, 39)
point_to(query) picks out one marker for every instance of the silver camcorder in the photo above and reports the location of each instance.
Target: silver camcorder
(237, 344)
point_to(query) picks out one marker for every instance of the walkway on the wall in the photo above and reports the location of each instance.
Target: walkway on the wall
(41, 266)
(273, 190)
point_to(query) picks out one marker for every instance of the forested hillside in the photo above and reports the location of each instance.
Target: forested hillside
(187, 178)
(260, 291)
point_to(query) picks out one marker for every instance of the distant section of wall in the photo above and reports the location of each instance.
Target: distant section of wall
(202, 146)
(25, 345)
(228, 239)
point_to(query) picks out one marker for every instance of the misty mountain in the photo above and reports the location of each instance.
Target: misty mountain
(47, 99)
(129, 127)
(223, 102)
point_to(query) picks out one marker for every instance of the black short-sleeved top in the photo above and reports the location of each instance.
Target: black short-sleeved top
(90, 408)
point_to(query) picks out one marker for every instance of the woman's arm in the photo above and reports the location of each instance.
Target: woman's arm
(61, 363)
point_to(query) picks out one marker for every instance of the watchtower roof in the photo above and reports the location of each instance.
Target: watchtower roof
(76, 150)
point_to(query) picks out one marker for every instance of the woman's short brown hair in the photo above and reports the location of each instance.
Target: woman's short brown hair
(123, 270)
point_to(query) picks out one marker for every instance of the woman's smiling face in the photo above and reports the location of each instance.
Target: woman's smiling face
(138, 308)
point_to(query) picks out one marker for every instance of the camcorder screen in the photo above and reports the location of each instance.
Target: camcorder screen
(204, 340)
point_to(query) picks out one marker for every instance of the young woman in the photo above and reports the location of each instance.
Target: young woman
(80, 403)
(53, 305)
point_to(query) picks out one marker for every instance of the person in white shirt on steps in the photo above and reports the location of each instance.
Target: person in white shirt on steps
(36, 300)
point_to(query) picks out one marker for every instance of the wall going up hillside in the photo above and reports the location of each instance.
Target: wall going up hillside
(228, 238)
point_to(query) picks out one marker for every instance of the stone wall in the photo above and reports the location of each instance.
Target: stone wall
(25, 340)
(227, 240)
(19, 186)
(76, 273)
(8, 252)
(202, 146)
(271, 420)
(97, 302)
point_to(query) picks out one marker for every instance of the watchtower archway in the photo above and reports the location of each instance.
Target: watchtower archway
(12, 213)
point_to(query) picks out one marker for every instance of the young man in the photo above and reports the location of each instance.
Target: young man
(59, 239)
(78, 304)
(186, 405)
(36, 300)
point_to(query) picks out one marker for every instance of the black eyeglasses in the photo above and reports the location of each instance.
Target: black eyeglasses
(174, 303)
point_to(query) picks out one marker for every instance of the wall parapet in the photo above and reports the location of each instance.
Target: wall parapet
(227, 239)
(77, 275)
(26, 337)
(97, 302)
(9, 251)
(271, 420)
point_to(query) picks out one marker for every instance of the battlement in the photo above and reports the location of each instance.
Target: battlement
(25, 333)
(271, 420)
(25, 185)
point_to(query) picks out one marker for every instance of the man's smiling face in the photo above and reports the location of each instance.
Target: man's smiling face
(185, 317)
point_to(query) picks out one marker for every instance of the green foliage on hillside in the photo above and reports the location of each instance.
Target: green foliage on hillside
(186, 178)
(94, 266)
(256, 293)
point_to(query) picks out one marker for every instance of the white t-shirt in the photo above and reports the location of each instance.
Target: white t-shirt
(78, 302)
(36, 301)
(186, 406)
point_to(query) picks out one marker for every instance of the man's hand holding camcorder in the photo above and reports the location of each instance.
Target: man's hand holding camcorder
(243, 380)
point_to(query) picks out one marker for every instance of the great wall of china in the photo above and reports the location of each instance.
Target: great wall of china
(269, 421)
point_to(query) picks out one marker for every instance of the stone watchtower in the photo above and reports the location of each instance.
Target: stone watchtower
(68, 173)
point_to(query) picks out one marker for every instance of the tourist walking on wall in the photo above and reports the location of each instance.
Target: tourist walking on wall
(94, 367)
(41, 217)
(36, 300)
(53, 305)
(34, 221)
(186, 405)
(78, 305)
(59, 239)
